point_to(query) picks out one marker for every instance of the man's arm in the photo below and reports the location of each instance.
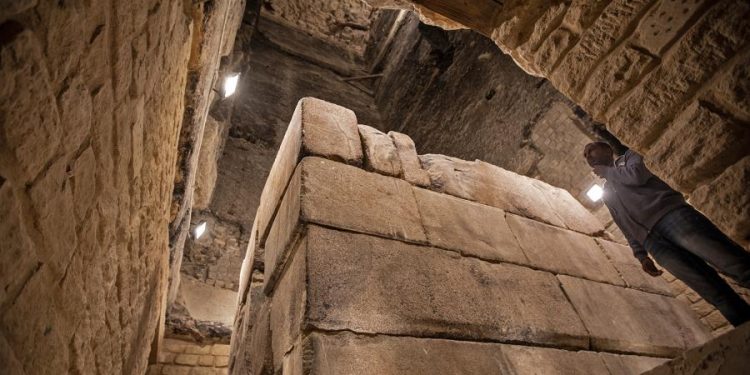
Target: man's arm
(633, 173)
(646, 263)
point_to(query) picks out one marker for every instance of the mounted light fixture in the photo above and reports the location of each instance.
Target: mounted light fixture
(595, 193)
(200, 230)
(230, 84)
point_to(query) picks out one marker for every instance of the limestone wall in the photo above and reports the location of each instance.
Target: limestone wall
(668, 78)
(381, 261)
(91, 102)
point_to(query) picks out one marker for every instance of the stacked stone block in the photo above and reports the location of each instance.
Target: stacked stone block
(189, 358)
(479, 271)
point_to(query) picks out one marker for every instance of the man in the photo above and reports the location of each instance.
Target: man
(657, 221)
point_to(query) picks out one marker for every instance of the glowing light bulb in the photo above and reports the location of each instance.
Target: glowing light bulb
(230, 84)
(595, 193)
(200, 229)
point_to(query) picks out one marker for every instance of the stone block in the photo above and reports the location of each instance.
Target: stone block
(730, 90)
(619, 364)
(260, 353)
(552, 49)
(726, 354)
(206, 170)
(18, 258)
(698, 145)
(513, 193)
(220, 349)
(726, 201)
(664, 22)
(562, 251)
(595, 43)
(618, 73)
(717, 36)
(30, 122)
(206, 360)
(450, 175)
(187, 359)
(338, 195)
(470, 228)
(407, 153)
(381, 154)
(360, 283)
(569, 210)
(349, 353)
(630, 321)
(630, 269)
(317, 128)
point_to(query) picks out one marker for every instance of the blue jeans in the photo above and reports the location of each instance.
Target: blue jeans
(687, 245)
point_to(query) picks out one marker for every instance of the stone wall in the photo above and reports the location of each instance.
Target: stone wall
(90, 111)
(188, 358)
(381, 261)
(667, 78)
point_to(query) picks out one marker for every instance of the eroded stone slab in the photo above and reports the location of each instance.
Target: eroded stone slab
(467, 227)
(630, 269)
(628, 320)
(349, 353)
(410, 163)
(562, 251)
(620, 364)
(380, 153)
(317, 128)
(342, 196)
(726, 354)
(450, 175)
(374, 285)
(569, 210)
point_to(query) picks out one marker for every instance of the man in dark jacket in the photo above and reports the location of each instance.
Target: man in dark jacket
(657, 221)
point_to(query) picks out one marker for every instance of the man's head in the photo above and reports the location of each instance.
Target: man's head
(598, 153)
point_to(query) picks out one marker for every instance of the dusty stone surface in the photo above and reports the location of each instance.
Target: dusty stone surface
(348, 353)
(410, 163)
(288, 306)
(318, 128)
(208, 303)
(342, 196)
(724, 201)
(627, 320)
(620, 364)
(467, 227)
(726, 354)
(205, 180)
(569, 210)
(380, 151)
(449, 175)
(341, 22)
(90, 110)
(630, 269)
(391, 287)
(562, 251)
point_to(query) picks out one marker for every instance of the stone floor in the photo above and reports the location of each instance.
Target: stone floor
(189, 358)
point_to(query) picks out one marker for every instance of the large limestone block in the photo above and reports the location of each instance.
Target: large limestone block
(698, 145)
(630, 269)
(381, 154)
(726, 354)
(450, 175)
(717, 36)
(513, 193)
(260, 355)
(467, 227)
(630, 321)
(338, 195)
(348, 353)
(317, 128)
(569, 210)
(562, 251)
(619, 364)
(348, 281)
(407, 153)
(206, 172)
(595, 43)
(726, 201)
(29, 120)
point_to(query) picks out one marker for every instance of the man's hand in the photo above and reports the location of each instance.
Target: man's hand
(650, 268)
(600, 170)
